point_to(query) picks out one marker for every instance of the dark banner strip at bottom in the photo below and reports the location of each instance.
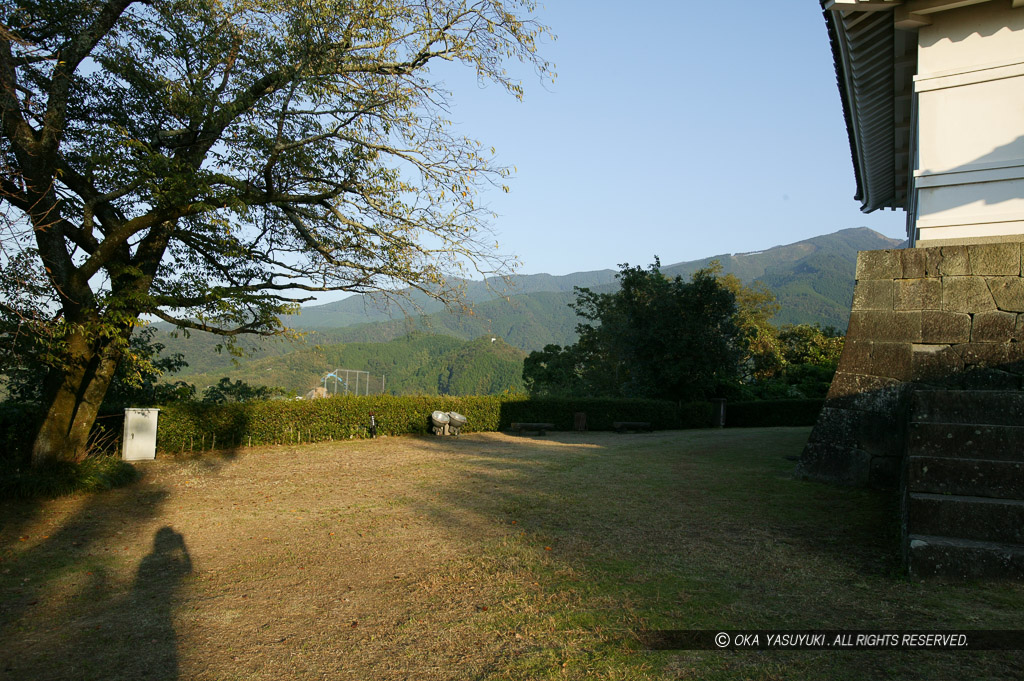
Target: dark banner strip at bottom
(771, 639)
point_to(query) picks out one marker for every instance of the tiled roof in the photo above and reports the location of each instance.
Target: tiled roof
(876, 104)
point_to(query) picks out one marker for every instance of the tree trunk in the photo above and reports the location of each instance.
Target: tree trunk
(72, 399)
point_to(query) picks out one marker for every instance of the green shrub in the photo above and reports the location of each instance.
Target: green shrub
(18, 424)
(185, 427)
(189, 427)
(57, 478)
(767, 413)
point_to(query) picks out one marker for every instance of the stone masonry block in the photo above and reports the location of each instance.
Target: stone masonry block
(1015, 358)
(879, 265)
(983, 354)
(946, 261)
(889, 360)
(829, 463)
(993, 326)
(953, 261)
(856, 353)
(939, 326)
(932, 261)
(885, 472)
(873, 294)
(1019, 331)
(1008, 293)
(846, 384)
(866, 393)
(915, 262)
(966, 294)
(935, 363)
(880, 325)
(987, 378)
(995, 259)
(881, 433)
(917, 294)
(836, 427)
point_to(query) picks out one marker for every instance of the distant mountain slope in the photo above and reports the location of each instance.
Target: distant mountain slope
(813, 280)
(417, 363)
(754, 265)
(524, 321)
(782, 264)
(361, 309)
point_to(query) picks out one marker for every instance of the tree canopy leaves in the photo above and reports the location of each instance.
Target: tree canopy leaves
(654, 337)
(668, 338)
(214, 162)
(234, 152)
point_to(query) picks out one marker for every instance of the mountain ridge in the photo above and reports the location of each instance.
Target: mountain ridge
(829, 255)
(813, 280)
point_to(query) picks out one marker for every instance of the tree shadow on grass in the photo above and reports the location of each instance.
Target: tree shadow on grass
(708, 531)
(719, 507)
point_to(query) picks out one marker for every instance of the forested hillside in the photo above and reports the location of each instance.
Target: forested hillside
(414, 364)
(812, 279)
(375, 308)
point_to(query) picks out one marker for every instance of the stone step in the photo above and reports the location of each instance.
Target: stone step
(962, 441)
(966, 517)
(931, 556)
(966, 477)
(974, 407)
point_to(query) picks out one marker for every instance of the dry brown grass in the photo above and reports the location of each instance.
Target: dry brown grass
(487, 556)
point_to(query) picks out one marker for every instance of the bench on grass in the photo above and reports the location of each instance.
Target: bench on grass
(539, 428)
(623, 426)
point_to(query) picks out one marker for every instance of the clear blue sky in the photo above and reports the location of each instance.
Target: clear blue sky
(675, 129)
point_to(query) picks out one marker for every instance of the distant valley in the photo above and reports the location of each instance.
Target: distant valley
(812, 279)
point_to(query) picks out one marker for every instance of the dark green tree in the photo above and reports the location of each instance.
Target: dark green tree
(554, 371)
(239, 391)
(654, 337)
(811, 344)
(809, 357)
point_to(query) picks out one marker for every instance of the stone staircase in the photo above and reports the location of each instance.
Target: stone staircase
(963, 484)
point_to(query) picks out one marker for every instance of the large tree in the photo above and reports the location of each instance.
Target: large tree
(208, 162)
(655, 337)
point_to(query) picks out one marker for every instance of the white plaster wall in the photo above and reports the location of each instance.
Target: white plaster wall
(963, 125)
(970, 37)
(970, 107)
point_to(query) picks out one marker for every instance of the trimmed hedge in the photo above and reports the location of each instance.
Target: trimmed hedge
(602, 412)
(187, 427)
(194, 426)
(191, 426)
(769, 413)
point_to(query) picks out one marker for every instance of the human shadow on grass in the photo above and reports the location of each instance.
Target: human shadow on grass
(63, 614)
(149, 625)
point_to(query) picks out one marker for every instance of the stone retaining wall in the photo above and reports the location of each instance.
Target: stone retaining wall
(949, 317)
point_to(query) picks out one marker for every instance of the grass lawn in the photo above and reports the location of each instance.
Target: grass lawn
(482, 557)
